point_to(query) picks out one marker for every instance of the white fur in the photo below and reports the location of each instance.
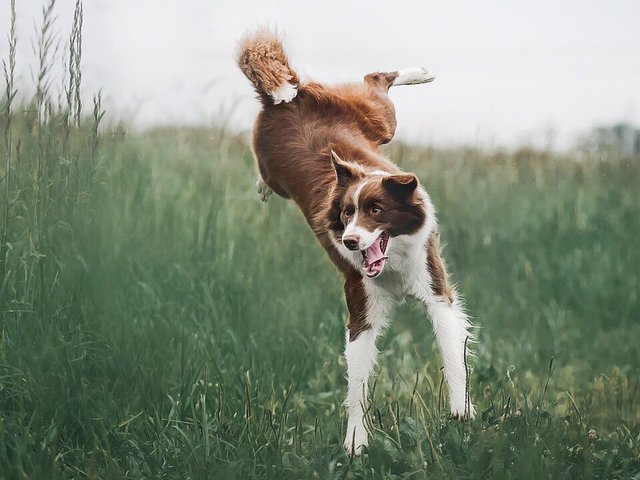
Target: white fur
(354, 258)
(380, 173)
(361, 357)
(366, 237)
(407, 255)
(413, 76)
(451, 326)
(264, 191)
(452, 329)
(284, 93)
(358, 191)
(405, 273)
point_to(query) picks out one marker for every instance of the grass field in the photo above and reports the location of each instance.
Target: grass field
(158, 321)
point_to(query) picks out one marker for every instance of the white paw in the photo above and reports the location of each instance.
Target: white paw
(264, 191)
(463, 413)
(356, 438)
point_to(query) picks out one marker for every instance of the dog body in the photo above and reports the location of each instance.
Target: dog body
(318, 146)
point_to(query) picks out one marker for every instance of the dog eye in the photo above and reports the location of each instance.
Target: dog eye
(376, 209)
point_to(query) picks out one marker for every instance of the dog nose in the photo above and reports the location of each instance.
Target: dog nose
(351, 242)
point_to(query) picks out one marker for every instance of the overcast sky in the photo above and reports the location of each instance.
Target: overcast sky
(507, 72)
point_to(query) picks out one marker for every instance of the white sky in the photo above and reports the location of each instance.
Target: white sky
(507, 72)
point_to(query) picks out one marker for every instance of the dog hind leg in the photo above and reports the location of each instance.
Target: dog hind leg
(378, 113)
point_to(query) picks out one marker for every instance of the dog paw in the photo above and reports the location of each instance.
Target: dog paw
(264, 191)
(463, 413)
(356, 439)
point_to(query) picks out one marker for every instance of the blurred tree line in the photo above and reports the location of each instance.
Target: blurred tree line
(620, 139)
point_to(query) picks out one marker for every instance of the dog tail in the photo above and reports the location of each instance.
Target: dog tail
(262, 59)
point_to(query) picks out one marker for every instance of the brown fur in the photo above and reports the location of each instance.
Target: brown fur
(293, 144)
(357, 306)
(437, 270)
(262, 59)
(320, 148)
(402, 213)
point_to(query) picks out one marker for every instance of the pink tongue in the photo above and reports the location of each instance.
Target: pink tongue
(374, 252)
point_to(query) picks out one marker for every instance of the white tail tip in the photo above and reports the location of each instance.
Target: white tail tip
(284, 93)
(413, 76)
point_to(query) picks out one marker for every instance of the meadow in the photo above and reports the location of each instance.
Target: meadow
(158, 321)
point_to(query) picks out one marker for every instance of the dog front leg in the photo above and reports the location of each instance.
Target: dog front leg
(361, 356)
(368, 312)
(451, 327)
(264, 191)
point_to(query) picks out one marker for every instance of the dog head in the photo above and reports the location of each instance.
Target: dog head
(368, 209)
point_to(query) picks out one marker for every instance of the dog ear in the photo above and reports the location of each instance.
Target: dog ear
(345, 174)
(402, 185)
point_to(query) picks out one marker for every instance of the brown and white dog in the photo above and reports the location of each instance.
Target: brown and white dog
(318, 145)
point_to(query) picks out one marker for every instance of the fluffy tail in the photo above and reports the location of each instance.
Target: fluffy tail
(262, 59)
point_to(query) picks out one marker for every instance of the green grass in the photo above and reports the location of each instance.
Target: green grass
(168, 324)
(157, 321)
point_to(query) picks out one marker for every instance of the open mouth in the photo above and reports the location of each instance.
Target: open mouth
(374, 257)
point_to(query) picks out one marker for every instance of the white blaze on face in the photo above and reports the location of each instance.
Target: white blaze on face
(372, 244)
(366, 237)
